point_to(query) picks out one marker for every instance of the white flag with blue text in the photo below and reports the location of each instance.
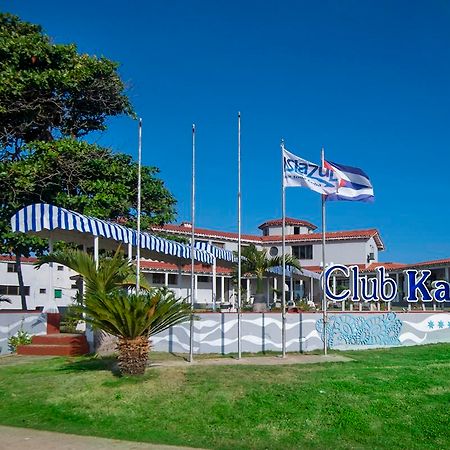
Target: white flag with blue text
(298, 172)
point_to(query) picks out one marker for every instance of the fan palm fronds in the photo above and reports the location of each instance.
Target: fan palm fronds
(257, 262)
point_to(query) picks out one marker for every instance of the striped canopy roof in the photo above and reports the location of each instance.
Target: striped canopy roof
(62, 224)
(219, 253)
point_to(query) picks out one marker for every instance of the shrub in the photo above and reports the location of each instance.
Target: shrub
(20, 338)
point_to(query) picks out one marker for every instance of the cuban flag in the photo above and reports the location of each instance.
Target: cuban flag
(354, 184)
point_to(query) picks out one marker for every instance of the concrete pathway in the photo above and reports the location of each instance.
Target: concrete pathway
(27, 439)
(250, 361)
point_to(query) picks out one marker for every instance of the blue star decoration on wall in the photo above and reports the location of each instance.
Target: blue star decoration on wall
(441, 324)
(431, 324)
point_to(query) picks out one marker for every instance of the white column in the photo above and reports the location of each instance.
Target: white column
(166, 279)
(222, 289)
(447, 273)
(51, 291)
(275, 282)
(248, 291)
(89, 331)
(214, 285)
(268, 291)
(397, 280)
(291, 286)
(96, 251)
(130, 252)
(311, 290)
(195, 288)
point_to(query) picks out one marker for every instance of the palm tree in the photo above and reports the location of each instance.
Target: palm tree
(113, 272)
(108, 306)
(257, 262)
(133, 319)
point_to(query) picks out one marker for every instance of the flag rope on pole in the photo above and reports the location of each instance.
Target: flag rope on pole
(191, 322)
(283, 253)
(239, 302)
(324, 297)
(138, 236)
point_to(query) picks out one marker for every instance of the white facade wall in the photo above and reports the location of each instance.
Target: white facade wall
(278, 230)
(371, 247)
(39, 280)
(338, 252)
(275, 231)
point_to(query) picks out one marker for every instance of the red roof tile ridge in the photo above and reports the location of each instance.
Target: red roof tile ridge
(288, 221)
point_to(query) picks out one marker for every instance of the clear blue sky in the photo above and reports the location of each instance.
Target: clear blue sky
(369, 80)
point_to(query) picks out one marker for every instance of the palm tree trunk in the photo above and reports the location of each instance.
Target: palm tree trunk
(133, 355)
(23, 298)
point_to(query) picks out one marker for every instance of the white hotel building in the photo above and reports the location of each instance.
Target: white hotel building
(47, 286)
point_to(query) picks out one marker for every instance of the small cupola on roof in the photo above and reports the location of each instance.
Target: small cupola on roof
(292, 226)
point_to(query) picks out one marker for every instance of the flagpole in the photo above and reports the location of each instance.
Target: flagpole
(138, 237)
(324, 297)
(239, 302)
(191, 323)
(283, 252)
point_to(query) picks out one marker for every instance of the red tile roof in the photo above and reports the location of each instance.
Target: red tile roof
(335, 235)
(198, 268)
(400, 267)
(331, 236)
(288, 221)
(10, 258)
(387, 265)
(179, 229)
(436, 262)
(318, 269)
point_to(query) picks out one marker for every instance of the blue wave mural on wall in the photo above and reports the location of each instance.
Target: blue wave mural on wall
(348, 329)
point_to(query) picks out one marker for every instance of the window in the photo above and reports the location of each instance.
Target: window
(370, 257)
(273, 251)
(58, 293)
(42, 291)
(203, 279)
(12, 268)
(296, 230)
(158, 278)
(60, 268)
(302, 251)
(173, 279)
(219, 244)
(13, 290)
(266, 232)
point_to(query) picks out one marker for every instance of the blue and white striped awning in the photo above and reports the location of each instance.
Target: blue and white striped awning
(219, 253)
(62, 224)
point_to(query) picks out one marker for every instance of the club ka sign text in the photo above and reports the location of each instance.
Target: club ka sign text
(381, 287)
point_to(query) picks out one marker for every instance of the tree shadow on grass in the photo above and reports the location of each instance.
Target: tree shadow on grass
(106, 364)
(92, 364)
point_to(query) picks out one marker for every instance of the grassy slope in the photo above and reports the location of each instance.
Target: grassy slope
(396, 398)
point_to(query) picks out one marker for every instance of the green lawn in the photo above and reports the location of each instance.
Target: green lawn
(393, 398)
